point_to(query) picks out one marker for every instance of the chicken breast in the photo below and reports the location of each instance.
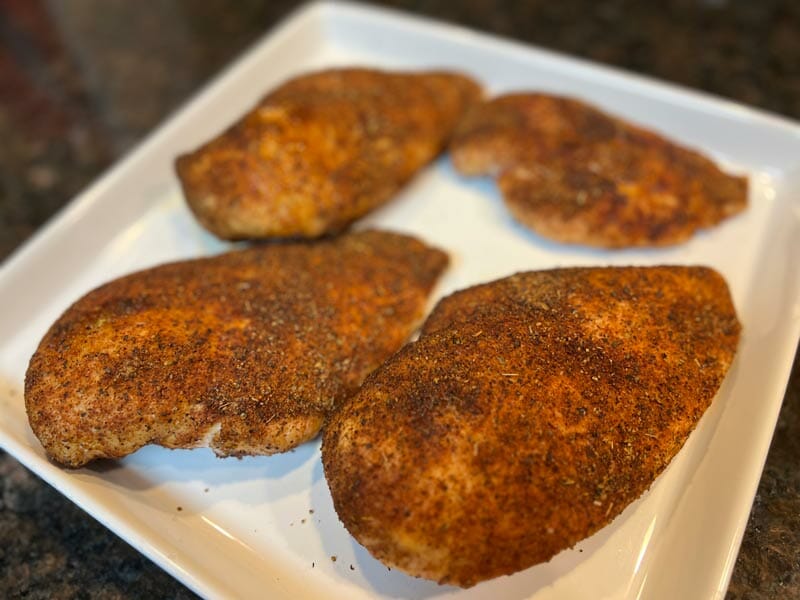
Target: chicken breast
(245, 352)
(530, 412)
(322, 150)
(574, 174)
(525, 128)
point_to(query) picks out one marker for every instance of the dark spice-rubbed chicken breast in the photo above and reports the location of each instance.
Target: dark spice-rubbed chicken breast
(245, 352)
(575, 174)
(322, 150)
(530, 412)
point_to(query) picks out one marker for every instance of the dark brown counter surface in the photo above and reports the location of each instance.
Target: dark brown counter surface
(81, 81)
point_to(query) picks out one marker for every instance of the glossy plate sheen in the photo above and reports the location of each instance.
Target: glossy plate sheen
(265, 527)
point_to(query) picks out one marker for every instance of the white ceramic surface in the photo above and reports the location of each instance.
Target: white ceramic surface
(246, 527)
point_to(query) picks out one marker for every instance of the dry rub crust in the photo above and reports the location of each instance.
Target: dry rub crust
(575, 174)
(528, 415)
(322, 150)
(245, 352)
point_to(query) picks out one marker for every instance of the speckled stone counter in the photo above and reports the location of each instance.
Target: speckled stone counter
(81, 81)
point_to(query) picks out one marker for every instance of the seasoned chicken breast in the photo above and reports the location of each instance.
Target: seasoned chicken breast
(530, 412)
(245, 352)
(575, 174)
(322, 150)
(524, 128)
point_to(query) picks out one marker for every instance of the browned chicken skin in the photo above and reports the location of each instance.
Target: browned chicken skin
(575, 174)
(322, 150)
(246, 351)
(531, 411)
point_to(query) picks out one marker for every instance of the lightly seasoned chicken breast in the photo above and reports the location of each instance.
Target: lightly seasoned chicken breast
(322, 150)
(574, 174)
(529, 413)
(245, 352)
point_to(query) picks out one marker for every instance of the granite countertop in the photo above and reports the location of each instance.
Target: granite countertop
(82, 81)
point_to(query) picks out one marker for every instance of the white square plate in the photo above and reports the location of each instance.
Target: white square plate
(265, 526)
